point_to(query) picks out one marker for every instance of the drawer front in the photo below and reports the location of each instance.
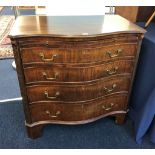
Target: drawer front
(50, 73)
(77, 112)
(77, 55)
(83, 42)
(73, 93)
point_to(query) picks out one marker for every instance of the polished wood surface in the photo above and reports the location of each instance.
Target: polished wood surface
(78, 111)
(72, 26)
(67, 77)
(128, 12)
(73, 55)
(72, 74)
(135, 13)
(80, 92)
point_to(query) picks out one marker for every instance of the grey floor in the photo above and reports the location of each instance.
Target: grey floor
(9, 88)
(8, 80)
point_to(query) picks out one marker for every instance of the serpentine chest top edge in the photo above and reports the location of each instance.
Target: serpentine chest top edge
(72, 26)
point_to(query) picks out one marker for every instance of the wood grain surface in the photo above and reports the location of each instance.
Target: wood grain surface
(74, 70)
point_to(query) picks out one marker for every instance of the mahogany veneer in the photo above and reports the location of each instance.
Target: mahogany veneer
(74, 70)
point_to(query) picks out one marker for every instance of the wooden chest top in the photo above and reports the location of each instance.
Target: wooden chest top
(72, 26)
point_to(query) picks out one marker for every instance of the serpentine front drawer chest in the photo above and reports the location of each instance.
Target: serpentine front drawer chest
(74, 69)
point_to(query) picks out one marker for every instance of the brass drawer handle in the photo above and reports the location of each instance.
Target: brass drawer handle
(53, 116)
(108, 108)
(51, 97)
(46, 43)
(113, 71)
(110, 90)
(48, 78)
(42, 56)
(118, 53)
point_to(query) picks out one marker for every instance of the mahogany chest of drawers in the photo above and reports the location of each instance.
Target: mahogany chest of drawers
(74, 70)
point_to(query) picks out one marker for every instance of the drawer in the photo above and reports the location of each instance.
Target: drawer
(40, 41)
(77, 55)
(56, 73)
(81, 92)
(78, 112)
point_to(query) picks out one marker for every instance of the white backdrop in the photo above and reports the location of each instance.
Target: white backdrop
(75, 7)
